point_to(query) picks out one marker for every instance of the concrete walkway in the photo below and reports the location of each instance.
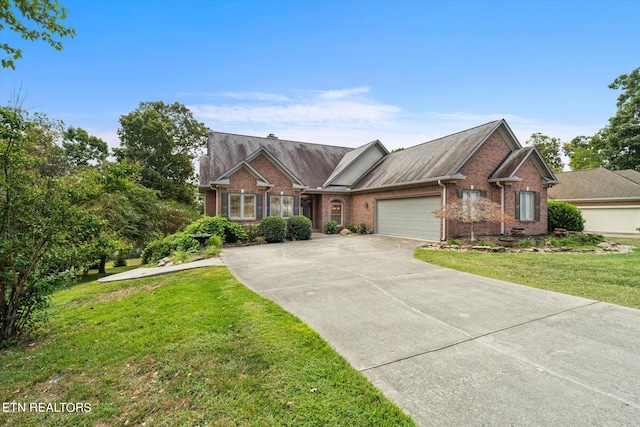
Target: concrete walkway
(452, 348)
(156, 271)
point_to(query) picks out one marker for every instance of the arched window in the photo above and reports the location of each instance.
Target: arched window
(336, 211)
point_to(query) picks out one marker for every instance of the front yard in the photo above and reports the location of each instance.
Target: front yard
(613, 278)
(190, 348)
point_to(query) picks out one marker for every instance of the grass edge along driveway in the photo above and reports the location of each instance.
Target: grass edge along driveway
(190, 348)
(612, 278)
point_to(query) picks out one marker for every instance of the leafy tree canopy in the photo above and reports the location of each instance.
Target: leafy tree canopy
(584, 152)
(549, 148)
(82, 149)
(32, 20)
(622, 136)
(164, 139)
(43, 222)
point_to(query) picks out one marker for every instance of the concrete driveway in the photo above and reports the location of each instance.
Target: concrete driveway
(452, 348)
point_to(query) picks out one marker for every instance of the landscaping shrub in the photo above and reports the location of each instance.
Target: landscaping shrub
(529, 242)
(180, 257)
(274, 229)
(230, 231)
(454, 242)
(252, 231)
(174, 216)
(484, 243)
(564, 215)
(214, 241)
(362, 228)
(352, 228)
(582, 239)
(331, 227)
(299, 228)
(161, 248)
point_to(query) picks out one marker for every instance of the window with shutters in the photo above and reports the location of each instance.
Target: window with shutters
(282, 206)
(242, 206)
(527, 206)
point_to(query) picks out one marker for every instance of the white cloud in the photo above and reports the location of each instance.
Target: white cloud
(350, 117)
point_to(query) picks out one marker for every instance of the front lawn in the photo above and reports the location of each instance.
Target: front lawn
(189, 348)
(613, 278)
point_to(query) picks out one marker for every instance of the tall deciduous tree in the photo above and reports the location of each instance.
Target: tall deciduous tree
(32, 20)
(43, 222)
(584, 152)
(622, 136)
(82, 149)
(164, 139)
(549, 148)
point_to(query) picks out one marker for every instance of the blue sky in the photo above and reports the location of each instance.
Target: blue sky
(336, 72)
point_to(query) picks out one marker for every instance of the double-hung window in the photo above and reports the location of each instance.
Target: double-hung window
(242, 206)
(468, 196)
(527, 206)
(282, 206)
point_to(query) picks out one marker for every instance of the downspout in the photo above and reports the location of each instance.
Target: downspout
(501, 207)
(444, 205)
(266, 202)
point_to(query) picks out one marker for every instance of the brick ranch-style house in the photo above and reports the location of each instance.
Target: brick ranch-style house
(247, 178)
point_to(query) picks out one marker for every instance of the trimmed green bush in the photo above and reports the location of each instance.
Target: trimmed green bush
(161, 248)
(564, 215)
(331, 227)
(581, 239)
(252, 231)
(362, 228)
(230, 231)
(352, 228)
(274, 229)
(299, 228)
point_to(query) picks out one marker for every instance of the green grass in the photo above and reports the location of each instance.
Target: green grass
(613, 278)
(190, 348)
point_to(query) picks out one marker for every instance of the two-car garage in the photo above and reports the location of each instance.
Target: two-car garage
(409, 217)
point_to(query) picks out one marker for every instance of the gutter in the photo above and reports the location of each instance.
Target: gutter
(435, 180)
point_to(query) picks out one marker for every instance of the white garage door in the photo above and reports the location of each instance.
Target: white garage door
(611, 219)
(409, 217)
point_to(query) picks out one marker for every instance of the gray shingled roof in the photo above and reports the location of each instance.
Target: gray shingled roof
(510, 166)
(597, 183)
(348, 159)
(438, 158)
(310, 163)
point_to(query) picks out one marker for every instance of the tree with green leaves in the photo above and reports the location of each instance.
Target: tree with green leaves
(32, 20)
(43, 223)
(621, 138)
(83, 149)
(164, 139)
(549, 148)
(584, 152)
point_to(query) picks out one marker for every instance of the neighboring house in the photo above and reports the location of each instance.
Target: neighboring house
(609, 200)
(248, 178)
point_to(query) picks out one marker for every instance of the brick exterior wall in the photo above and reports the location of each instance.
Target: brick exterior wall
(360, 207)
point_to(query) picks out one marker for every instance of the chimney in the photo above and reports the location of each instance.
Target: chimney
(272, 136)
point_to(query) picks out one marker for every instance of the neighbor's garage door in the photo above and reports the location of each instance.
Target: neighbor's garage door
(409, 217)
(611, 219)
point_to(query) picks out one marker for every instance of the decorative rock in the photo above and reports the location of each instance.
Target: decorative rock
(345, 232)
(165, 262)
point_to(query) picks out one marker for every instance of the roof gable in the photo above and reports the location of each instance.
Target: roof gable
(356, 163)
(507, 171)
(439, 158)
(309, 164)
